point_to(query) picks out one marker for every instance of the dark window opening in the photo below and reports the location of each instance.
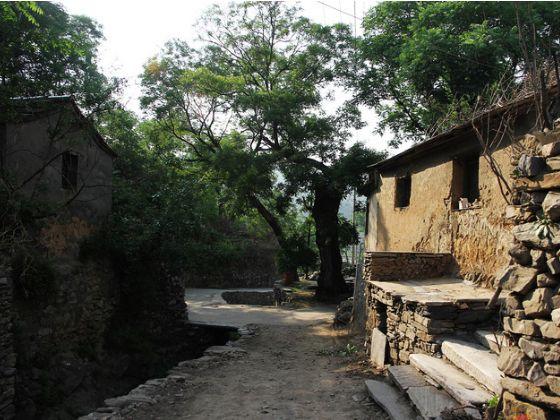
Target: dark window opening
(402, 192)
(69, 171)
(465, 181)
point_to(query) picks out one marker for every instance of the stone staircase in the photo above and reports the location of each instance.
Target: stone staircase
(463, 380)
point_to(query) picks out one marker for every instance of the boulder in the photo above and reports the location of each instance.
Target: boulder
(511, 304)
(546, 280)
(528, 234)
(551, 205)
(518, 279)
(521, 254)
(536, 374)
(553, 265)
(523, 327)
(513, 362)
(531, 165)
(550, 149)
(554, 384)
(530, 392)
(549, 329)
(514, 409)
(533, 349)
(553, 164)
(538, 303)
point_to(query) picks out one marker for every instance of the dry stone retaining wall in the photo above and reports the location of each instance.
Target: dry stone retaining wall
(387, 266)
(531, 315)
(7, 355)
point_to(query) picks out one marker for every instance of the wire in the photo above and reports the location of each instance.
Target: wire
(337, 9)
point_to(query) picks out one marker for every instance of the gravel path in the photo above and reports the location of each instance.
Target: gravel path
(288, 372)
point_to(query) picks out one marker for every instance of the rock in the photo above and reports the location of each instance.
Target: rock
(554, 384)
(537, 197)
(553, 265)
(538, 259)
(514, 408)
(549, 330)
(533, 349)
(555, 315)
(521, 254)
(528, 233)
(343, 313)
(128, 400)
(538, 303)
(546, 280)
(378, 348)
(511, 304)
(513, 362)
(524, 327)
(553, 164)
(531, 165)
(530, 392)
(552, 356)
(550, 149)
(519, 314)
(536, 374)
(546, 182)
(551, 205)
(552, 369)
(518, 279)
(226, 351)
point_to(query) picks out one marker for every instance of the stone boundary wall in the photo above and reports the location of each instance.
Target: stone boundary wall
(395, 266)
(531, 315)
(7, 355)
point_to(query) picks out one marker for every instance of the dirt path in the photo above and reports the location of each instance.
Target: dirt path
(289, 372)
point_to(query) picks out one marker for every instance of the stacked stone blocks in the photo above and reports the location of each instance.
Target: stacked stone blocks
(531, 314)
(7, 355)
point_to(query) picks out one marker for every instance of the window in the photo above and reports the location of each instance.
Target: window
(69, 171)
(465, 181)
(402, 191)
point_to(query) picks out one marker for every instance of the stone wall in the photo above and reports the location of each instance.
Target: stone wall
(531, 316)
(7, 355)
(420, 327)
(387, 266)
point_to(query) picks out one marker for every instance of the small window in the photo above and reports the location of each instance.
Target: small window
(402, 191)
(69, 171)
(465, 181)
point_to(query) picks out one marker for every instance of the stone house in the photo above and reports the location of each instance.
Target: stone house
(444, 218)
(51, 153)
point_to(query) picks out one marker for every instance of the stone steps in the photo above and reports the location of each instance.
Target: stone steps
(457, 384)
(492, 341)
(476, 361)
(390, 399)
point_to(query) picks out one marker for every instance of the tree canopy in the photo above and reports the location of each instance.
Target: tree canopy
(424, 60)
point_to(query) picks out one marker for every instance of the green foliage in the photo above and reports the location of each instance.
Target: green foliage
(46, 51)
(494, 401)
(424, 60)
(347, 233)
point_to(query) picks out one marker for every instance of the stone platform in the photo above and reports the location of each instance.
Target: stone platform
(415, 316)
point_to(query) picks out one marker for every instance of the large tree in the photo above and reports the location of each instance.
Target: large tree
(420, 61)
(255, 91)
(46, 51)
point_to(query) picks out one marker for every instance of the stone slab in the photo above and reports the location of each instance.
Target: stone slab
(430, 401)
(378, 348)
(405, 376)
(437, 291)
(457, 384)
(390, 399)
(476, 361)
(492, 341)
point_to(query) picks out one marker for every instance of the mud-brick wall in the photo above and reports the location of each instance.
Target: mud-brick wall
(395, 266)
(477, 237)
(7, 355)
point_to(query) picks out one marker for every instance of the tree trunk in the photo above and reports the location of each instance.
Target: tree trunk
(290, 275)
(325, 214)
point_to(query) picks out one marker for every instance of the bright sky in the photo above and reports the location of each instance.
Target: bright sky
(136, 30)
